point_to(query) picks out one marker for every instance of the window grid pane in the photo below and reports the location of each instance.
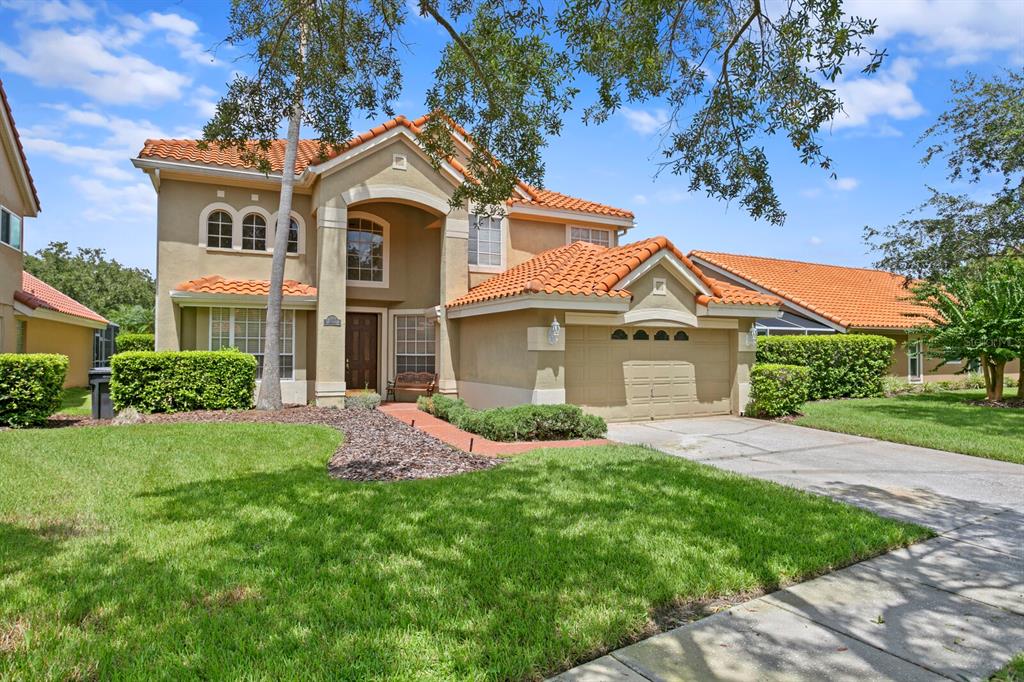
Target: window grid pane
(245, 329)
(254, 233)
(365, 251)
(414, 344)
(484, 240)
(593, 236)
(293, 236)
(218, 230)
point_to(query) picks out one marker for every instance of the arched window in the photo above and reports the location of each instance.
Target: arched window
(218, 230)
(254, 233)
(640, 335)
(365, 250)
(619, 335)
(661, 335)
(682, 336)
(293, 236)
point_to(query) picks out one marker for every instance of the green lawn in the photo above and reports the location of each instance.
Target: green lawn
(936, 420)
(76, 401)
(224, 551)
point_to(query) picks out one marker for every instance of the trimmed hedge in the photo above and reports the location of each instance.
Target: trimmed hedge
(178, 381)
(777, 390)
(523, 422)
(128, 342)
(30, 387)
(842, 365)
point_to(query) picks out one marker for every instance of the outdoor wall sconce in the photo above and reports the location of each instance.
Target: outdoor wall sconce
(554, 332)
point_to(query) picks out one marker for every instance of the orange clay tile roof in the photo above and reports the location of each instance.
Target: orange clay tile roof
(309, 155)
(850, 297)
(216, 284)
(587, 269)
(17, 140)
(35, 293)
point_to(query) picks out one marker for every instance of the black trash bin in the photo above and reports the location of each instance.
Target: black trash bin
(99, 382)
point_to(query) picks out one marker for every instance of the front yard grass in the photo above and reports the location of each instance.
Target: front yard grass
(224, 551)
(76, 402)
(944, 421)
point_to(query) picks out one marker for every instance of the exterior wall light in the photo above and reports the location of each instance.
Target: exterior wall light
(554, 332)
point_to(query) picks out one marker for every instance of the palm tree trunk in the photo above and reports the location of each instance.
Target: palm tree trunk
(269, 397)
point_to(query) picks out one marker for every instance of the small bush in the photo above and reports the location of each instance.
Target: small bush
(896, 386)
(842, 365)
(523, 422)
(128, 342)
(364, 400)
(30, 387)
(179, 381)
(777, 390)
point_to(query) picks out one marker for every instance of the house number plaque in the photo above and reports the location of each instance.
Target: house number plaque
(332, 321)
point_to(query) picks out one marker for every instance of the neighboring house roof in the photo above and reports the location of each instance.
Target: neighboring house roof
(216, 284)
(36, 294)
(848, 297)
(308, 157)
(20, 148)
(587, 269)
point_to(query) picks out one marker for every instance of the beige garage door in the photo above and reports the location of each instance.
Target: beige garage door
(647, 373)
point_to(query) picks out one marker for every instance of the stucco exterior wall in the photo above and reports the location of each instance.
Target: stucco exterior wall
(47, 336)
(676, 296)
(11, 261)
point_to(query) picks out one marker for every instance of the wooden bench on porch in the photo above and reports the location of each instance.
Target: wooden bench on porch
(414, 382)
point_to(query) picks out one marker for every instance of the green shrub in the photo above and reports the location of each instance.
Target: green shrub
(842, 365)
(178, 381)
(777, 390)
(523, 422)
(128, 342)
(896, 386)
(30, 387)
(363, 400)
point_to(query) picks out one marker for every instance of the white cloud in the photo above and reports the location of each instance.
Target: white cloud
(645, 122)
(181, 32)
(811, 192)
(135, 201)
(887, 93)
(815, 241)
(51, 11)
(82, 61)
(965, 31)
(640, 199)
(846, 184)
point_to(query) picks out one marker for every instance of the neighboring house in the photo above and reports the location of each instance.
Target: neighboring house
(831, 299)
(34, 317)
(543, 304)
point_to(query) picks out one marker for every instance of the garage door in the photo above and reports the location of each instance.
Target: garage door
(648, 373)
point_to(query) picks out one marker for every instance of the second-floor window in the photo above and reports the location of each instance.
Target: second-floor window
(365, 250)
(484, 240)
(592, 235)
(10, 228)
(254, 233)
(293, 236)
(218, 230)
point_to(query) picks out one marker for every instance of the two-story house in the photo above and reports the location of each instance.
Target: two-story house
(542, 303)
(34, 317)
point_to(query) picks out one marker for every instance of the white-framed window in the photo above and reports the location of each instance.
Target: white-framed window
(367, 250)
(254, 232)
(246, 328)
(415, 344)
(10, 228)
(293, 236)
(660, 287)
(219, 228)
(485, 243)
(915, 361)
(593, 235)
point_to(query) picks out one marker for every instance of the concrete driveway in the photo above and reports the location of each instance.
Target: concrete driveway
(948, 608)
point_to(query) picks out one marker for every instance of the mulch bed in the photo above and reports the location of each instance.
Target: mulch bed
(377, 447)
(1010, 403)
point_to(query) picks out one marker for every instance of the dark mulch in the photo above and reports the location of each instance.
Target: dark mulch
(1010, 403)
(377, 447)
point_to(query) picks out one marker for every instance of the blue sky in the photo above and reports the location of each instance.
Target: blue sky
(88, 82)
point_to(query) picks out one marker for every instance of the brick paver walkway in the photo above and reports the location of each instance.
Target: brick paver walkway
(470, 442)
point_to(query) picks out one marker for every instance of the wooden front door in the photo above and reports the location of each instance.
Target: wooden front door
(361, 351)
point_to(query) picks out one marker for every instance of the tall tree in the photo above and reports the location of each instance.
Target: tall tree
(89, 277)
(980, 137)
(977, 313)
(731, 72)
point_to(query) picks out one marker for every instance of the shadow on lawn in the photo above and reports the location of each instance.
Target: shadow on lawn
(511, 573)
(951, 411)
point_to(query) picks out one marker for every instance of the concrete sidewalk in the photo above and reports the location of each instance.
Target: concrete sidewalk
(949, 608)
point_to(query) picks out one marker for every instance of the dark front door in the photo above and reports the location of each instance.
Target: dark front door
(361, 351)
